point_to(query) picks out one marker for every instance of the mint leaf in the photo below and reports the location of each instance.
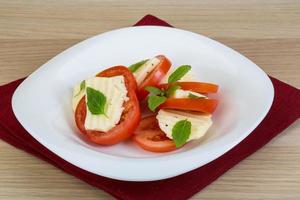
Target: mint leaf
(170, 91)
(154, 90)
(179, 73)
(137, 65)
(96, 101)
(155, 101)
(181, 132)
(82, 87)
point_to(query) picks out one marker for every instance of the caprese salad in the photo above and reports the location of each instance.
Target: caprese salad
(108, 107)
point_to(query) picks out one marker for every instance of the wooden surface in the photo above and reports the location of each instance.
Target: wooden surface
(267, 32)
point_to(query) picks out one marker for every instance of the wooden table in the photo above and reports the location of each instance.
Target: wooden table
(267, 32)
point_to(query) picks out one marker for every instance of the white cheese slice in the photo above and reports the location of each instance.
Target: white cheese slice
(185, 94)
(188, 77)
(168, 118)
(115, 92)
(77, 95)
(145, 69)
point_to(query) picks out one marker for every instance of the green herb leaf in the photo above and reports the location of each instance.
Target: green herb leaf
(179, 73)
(192, 96)
(181, 132)
(170, 91)
(96, 101)
(82, 87)
(155, 101)
(154, 90)
(137, 65)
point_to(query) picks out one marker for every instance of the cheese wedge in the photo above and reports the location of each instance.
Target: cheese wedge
(168, 118)
(145, 69)
(188, 77)
(115, 92)
(185, 94)
(77, 96)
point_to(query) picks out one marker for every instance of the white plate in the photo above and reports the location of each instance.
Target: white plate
(42, 103)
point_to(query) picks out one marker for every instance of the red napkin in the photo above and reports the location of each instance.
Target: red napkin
(284, 111)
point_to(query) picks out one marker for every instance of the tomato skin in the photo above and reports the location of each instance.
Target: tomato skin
(154, 78)
(201, 105)
(199, 87)
(130, 117)
(154, 141)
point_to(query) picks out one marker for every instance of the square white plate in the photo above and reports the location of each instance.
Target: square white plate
(42, 103)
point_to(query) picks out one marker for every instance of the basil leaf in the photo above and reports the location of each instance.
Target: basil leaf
(170, 91)
(96, 101)
(137, 65)
(154, 90)
(179, 73)
(155, 101)
(82, 87)
(192, 96)
(181, 132)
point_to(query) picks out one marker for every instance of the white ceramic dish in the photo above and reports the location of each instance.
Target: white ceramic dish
(42, 103)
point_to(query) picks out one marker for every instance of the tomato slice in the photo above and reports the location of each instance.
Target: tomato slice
(154, 140)
(199, 87)
(147, 123)
(130, 117)
(154, 78)
(202, 105)
(149, 136)
(130, 81)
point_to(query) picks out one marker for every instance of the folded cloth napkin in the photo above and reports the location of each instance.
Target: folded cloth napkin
(284, 111)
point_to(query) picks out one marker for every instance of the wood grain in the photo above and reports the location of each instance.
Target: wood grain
(267, 32)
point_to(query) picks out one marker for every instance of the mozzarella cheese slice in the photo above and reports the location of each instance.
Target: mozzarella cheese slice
(77, 96)
(185, 94)
(168, 118)
(115, 92)
(188, 77)
(145, 69)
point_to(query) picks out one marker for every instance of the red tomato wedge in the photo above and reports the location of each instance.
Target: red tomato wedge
(155, 141)
(154, 78)
(202, 105)
(130, 117)
(147, 123)
(199, 87)
(149, 136)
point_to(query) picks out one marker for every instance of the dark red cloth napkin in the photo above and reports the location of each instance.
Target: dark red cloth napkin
(284, 111)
